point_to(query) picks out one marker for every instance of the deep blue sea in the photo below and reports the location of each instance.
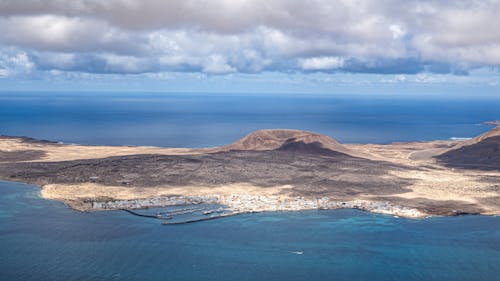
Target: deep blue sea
(45, 240)
(199, 120)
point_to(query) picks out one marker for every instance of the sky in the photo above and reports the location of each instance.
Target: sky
(285, 46)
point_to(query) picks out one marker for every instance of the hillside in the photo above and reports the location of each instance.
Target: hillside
(482, 152)
(292, 141)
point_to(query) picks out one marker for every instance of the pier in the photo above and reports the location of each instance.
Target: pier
(147, 216)
(199, 219)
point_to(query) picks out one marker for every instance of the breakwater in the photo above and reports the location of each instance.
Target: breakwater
(142, 215)
(213, 217)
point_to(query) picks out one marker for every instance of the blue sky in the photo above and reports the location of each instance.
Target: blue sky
(343, 47)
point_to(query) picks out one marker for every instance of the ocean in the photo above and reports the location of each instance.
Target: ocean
(202, 120)
(45, 240)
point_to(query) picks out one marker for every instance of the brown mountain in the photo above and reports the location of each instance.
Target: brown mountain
(290, 140)
(482, 152)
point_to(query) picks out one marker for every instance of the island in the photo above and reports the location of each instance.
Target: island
(492, 123)
(267, 170)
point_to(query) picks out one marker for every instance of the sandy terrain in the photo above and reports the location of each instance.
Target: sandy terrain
(65, 152)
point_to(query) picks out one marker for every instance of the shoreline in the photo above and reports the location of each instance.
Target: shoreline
(374, 207)
(242, 204)
(92, 205)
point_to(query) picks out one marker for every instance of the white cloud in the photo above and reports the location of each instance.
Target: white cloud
(62, 34)
(14, 63)
(128, 64)
(221, 36)
(400, 78)
(321, 63)
(397, 31)
(217, 64)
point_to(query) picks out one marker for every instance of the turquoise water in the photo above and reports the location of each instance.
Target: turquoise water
(44, 240)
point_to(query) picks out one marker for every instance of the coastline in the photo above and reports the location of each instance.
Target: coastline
(376, 207)
(241, 204)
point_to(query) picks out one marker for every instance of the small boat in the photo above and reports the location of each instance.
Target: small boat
(297, 252)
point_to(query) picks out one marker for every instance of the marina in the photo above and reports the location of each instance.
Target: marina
(180, 214)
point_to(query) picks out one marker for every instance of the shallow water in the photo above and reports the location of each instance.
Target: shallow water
(45, 240)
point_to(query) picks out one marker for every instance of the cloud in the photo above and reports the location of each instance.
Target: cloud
(217, 64)
(321, 63)
(13, 63)
(65, 34)
(222, 36)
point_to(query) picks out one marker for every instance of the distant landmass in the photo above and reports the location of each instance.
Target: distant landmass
(492, 123)
(267, 170)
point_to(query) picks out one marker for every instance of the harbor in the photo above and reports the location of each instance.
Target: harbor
(189, 209)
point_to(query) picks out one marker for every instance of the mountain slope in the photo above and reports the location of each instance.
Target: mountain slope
(290, 140)
(482, 152)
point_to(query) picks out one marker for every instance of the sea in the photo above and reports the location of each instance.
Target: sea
(203, 120)
(45, 240)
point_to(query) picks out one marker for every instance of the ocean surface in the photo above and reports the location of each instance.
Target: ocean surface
(45, 240)
(201, 120)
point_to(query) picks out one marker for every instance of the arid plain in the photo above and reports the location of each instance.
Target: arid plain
(269, 170)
